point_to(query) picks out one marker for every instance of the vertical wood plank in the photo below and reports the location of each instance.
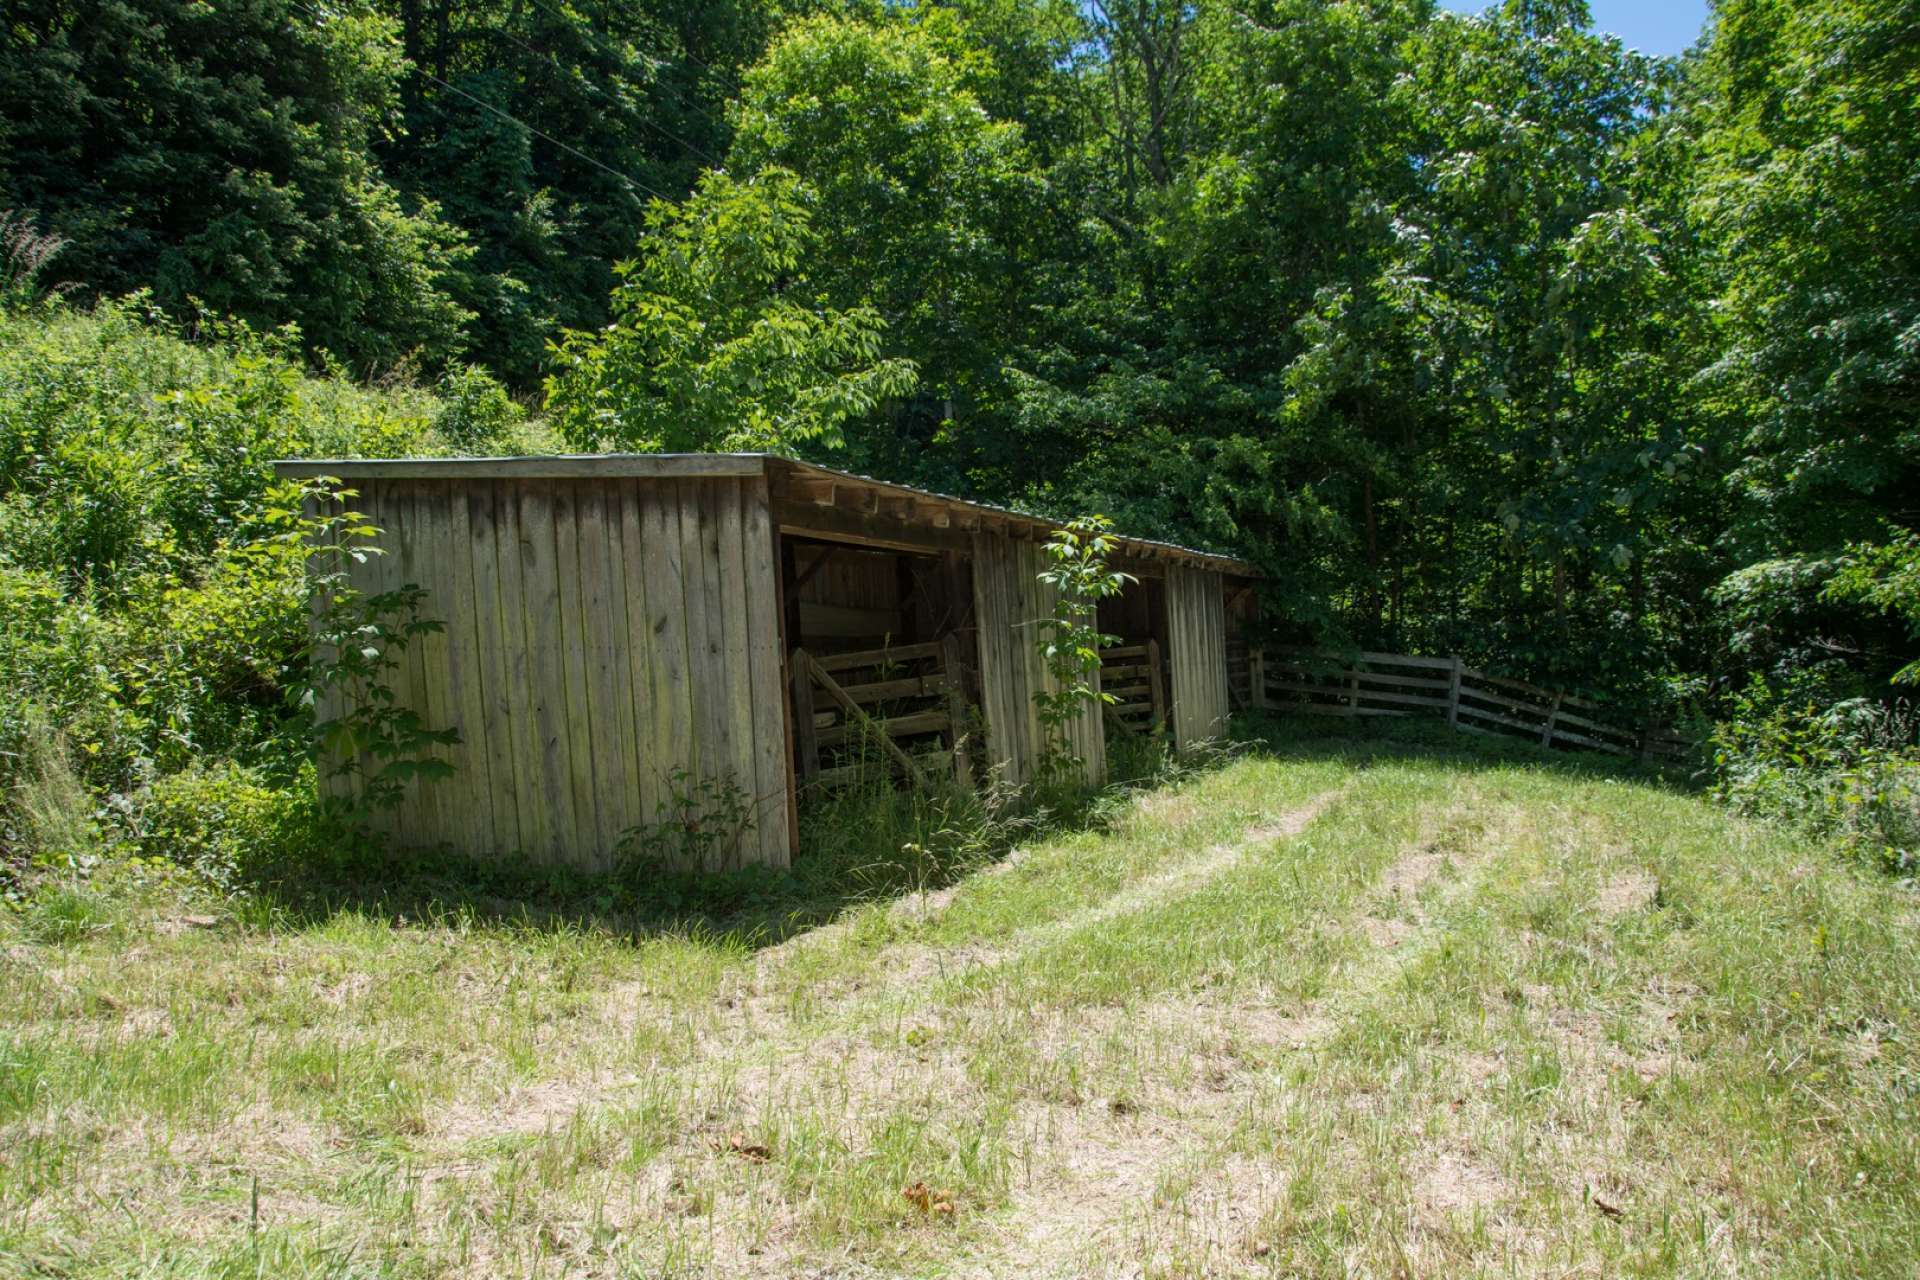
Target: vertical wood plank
(586, 765)
(766, 699)
(520, 693)
(699, 575)
(804, 729)
(493, 677)
(467, 790)
(629, 498)
(602, 596)
(990, 617)
(425, 822)
(734, 673)
(329, 702)
(668, 633)
(547, 686)
(953, 662)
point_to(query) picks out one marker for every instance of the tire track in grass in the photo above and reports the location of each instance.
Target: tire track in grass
(755, 1062)
(1137, 1191)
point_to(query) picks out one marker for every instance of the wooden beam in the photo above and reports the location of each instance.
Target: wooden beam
(852, 708)
(806, 575)
(837, 524)
(806, 746)
(810, 489)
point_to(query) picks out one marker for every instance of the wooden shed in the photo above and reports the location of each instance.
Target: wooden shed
(618, 625)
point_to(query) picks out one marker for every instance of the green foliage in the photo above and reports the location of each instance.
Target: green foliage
(155, 591)
(1849, 767)
(222, 155)
(234, 828)
(1069, 639)
(1480, 334)
(1806, 154)
(697, 825)
(25, 252)
(712, 348)
(478, 417)
(1885, 576)
(355, 642)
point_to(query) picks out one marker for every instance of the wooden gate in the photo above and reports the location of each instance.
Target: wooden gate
(879, 708)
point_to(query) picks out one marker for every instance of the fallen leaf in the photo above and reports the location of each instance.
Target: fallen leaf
(740, 1145)
(928, 1200)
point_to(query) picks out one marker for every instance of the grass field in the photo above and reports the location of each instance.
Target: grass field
(1337, 1007)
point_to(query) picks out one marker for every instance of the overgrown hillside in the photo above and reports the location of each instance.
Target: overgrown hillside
(155, 645)
(1335, 1006)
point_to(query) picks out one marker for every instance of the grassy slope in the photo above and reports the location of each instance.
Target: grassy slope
(1338, 1008)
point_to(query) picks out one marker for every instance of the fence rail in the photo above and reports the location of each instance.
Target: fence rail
(896, 699)
(1402, 684)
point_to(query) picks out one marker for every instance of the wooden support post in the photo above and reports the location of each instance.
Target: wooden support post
(1156, 691)
(805, 741)
(1353, 690)
(852, 708)
(952, 661)
(1257, 676)
(1453, 693)
(1553, 718)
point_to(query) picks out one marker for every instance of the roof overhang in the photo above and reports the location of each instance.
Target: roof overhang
(813, 500)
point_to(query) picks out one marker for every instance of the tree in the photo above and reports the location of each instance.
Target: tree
(220, 155)
(716, 344)
(924, 205)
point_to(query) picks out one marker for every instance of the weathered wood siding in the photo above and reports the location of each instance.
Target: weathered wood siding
(1009, 600)
(1197, 654)
(599, 633)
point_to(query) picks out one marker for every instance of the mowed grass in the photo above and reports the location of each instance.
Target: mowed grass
(1336, 1007)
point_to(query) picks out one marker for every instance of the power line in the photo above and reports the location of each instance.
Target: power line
(484, 105)
(650, 123)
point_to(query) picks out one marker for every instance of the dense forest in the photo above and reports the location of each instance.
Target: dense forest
(1482, 335)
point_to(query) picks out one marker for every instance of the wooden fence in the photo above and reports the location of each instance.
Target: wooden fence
(1133, 675)
(1400, 684)
(898, 699)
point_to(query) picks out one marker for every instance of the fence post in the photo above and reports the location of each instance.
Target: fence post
(1553, 718)
(1453, 694)
(1156, 694)
(803, 727)
(1256, 677)
(1353, 689)
(951, 660)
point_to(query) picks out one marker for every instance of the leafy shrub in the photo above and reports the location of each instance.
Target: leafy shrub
(879, 838)
(154, 584)
(232, 827)
(1848, 767)
(477, 415)
(25, 251)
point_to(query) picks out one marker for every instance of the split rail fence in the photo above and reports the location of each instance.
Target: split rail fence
(1400, 684)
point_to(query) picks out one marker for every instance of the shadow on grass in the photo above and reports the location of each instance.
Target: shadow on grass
(858, 847)
(869, 844)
